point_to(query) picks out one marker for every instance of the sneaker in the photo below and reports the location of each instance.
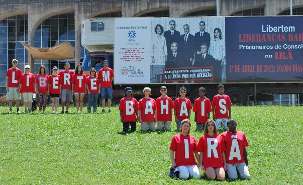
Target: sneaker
(66, 112)
(62, 112)
(54, 112)
(109, 110)
(103, 110)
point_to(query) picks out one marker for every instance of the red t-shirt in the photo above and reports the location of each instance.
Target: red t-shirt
(42, 83)
(13, 77)
(221, 106)
(212, 148)
(147, 108)
(79, 83)
(53, 82)
(128, 108)
(92, 85)
(184, 148)
(28, 82)
(164, 106)
(106, 76)
(182, 108)
(202, 107)
(234, 145)
(65, 78)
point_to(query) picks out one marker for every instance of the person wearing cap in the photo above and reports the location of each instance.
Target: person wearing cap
(106, 77)
(164, 108)
(13, 77)
(235, 152)
(183, 154)
(79, 79)
(28, 88)
(128, 111)
(65, 77)
(42, 88)
(146, 112)
(92, 85)
(182, 107)
(54, 89)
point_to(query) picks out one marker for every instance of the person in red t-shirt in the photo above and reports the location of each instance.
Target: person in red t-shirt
(65, 77)
(183, 153)
(106, 77)
(146, 111)
(128, 111)
(28, 81)
(92, 84)
(221, 105)
(164, 108)
(79, 80)
(235, 144)
(211, 152)
(182, 106)
(42, 88)
(202, 109)
(13, 76)
(54, 88)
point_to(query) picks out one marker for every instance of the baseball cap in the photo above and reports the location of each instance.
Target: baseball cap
(27, 67)
(55, 68)
(128, 89)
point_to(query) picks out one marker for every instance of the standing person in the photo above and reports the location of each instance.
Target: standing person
(221, 108)
(182, 107)
(235, 144)
(183, 153)
(164, 108)
(211, 152)
(146, 111)
(92, 84)
(28, 81)
(54, 89)
(65, 77)
(79, 87)
(13, 77)
(187, 46)
(42, 88)
(171, 35)
(106, 77)
(128, 111)
(202, 109)
(202, 36)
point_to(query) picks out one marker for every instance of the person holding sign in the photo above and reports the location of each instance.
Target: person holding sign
(221, 108)
(92, 84)
(182, 106)
(235, 144)
(164, 107)
(79, 87)
(147, 109)
(28, 82)
(211, 152)
(183, 154)
(202, 109)
(54, 90)
(42, 88)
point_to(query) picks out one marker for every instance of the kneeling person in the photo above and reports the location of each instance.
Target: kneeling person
(164, 107)
(147, 108)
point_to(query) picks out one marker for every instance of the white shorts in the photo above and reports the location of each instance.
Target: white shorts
(13, 94)
(27, 97)
(234, 169)
(145, 126)
(163, 125)
(191, 171)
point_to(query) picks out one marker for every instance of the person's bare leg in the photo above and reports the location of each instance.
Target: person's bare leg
(81, 102)
(10, 105)
(103, 104)
(77, 99)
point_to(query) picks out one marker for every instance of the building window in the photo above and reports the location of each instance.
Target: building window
(97, 26)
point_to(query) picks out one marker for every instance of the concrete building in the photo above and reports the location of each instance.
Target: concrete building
(43, 23)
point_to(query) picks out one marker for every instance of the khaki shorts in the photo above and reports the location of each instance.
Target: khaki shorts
(145, 126)
(27, 97)
(163, 125)
(13, 94)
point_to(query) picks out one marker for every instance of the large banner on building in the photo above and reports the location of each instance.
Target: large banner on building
(169, 50)
(264, 49)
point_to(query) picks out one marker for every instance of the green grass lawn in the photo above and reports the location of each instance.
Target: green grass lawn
(87, 149)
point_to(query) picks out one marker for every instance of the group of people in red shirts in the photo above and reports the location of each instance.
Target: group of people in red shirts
(59, 84)
(215, 153)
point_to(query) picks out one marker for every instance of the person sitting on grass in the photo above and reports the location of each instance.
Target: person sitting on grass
(182, 107)
(235, 154)
(28, 88)
(128, 111)
(92, 84)
(146, 112)
(183, 154)
(54, 89)
(211, 152)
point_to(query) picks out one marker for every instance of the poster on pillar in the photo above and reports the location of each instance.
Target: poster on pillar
(169, 50)
(264, 49)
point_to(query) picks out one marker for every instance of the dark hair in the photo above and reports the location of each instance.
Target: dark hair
(231, 121)
(79, 71)
(40, 69)
(220, 86)
(93, 70)
(174, 43)
(186, 25)
(161, 27)
(204, 44)
(202, 89)
(220, 33)
(202, 22)
(172, 21)
(182, 89)
(206, 127)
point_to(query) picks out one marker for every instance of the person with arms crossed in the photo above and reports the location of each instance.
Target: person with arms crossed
(54, 89)
(221, 108)
(164, 108)
(92, 84)
(183, 154)
(65, 77)
(128, 111)
(235, 153)
(106, 77)
(202, 109)
(28, 88)
(42, 88)
(182, 107)
(79, 80)
(146, 111)
(13, 77)
(210, 147)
